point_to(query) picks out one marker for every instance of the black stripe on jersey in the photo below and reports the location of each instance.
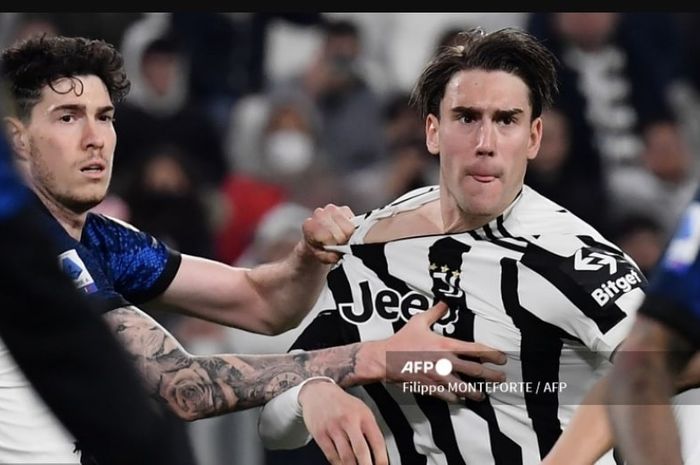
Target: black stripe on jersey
(501, 242)
(374, 258)
(397, 423)
(324, 331)
(449, 252)
(423, 192)
(590, 242)
(501, 228)
(329, 329)
(438, 414)
(540, 350)
(476, 235)
(547, 265)
(340, 288)
(445, 252)
(505, 451)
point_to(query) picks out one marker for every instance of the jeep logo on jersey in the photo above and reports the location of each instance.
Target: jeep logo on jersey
(391, 298)
(604, 274)
(388, 303)
(72, 265)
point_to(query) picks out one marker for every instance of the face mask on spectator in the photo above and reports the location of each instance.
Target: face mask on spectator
(289, 151)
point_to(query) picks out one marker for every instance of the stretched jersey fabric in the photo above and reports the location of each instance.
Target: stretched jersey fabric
(114, 265)
(674, 290)
(537, 283)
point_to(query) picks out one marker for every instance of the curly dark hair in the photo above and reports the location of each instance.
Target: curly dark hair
(36, 62)
(510, 50)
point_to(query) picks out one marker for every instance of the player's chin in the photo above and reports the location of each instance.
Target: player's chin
(87, 200)
(484, 205)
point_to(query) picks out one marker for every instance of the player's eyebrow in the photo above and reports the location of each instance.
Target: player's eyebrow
(478, 112)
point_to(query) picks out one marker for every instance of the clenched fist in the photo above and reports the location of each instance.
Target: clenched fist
(330, 225)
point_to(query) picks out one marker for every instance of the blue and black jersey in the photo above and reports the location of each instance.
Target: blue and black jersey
(114, 264)
(673, 296)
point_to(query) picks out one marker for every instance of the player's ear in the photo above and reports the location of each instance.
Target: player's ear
(18, 136)
(432, 134)
(533, 147)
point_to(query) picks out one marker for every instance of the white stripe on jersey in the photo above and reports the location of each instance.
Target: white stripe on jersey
(536, 275)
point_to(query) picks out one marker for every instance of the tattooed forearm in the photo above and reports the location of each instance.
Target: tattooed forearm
(202, 386)
(263, 377)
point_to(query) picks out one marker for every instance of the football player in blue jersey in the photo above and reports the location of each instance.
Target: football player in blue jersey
(65, 350)
(657, 355)
(655, 362)
(63, 138)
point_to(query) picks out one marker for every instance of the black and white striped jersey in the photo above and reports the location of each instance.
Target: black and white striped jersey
(537, 283)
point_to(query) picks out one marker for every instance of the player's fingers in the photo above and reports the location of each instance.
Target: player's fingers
(430, 387)
(336, 230)
(346, 211)
(375, 439)
(327, 257)
(359, 446)
(477, 350)
(445, 395)
(326, 445)
(344, 222)
(342, 445)
(434, 313)
(453, 388)
(477, 370)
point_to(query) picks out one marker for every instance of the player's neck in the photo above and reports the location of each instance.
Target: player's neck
(454, 220)
(71, 221)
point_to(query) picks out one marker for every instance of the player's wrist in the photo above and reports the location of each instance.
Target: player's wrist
(307, 388)
(371, 362)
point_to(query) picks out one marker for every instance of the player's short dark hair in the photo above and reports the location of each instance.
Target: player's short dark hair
(510, 50)
(40, 60)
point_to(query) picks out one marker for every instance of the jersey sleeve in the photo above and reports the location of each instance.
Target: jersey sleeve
(586, 288)
(674, 290)
(141, 266)
(13, 194)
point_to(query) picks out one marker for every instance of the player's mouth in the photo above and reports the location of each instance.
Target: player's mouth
(95, 169)
(485, 178)
(482, 175)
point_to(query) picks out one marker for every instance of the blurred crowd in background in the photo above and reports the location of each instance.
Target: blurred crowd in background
(239, 124)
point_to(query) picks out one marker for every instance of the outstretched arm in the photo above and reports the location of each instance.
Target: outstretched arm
(270, 298)
(636, 396)
(202, 386)
(642, 383)
(195, 387)
(588, 436)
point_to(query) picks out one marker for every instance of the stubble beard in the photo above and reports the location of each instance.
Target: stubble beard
(45, 181)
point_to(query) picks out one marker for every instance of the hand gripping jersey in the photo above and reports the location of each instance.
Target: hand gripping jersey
(114, 265)
(537, 283)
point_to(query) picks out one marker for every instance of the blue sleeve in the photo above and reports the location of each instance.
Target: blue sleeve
(141, 266)
(673, 295)
(13, 193)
